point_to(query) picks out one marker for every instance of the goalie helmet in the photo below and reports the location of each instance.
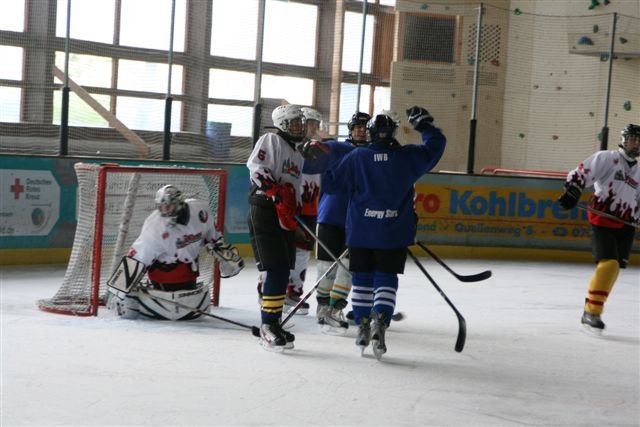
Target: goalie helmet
(630, 141)
(289, 119)
(358, 136)
(169, 201)
(382, 127)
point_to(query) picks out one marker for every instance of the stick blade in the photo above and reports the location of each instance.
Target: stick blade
(479, 277)
(462, 334)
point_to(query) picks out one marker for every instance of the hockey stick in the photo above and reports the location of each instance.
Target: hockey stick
(312, 234)
(462, 324)
(255, 331)
(483, 275)
(607, 215)
(312, 290)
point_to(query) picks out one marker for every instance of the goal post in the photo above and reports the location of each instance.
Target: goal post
(113, 203)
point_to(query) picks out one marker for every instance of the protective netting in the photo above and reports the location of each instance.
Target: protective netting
(110, 217)
(539, 79)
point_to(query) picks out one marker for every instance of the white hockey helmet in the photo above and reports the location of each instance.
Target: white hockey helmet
(313, 122)
(169, 201)
(286, 118)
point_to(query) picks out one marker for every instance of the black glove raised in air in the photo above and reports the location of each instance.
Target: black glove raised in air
(419, 118)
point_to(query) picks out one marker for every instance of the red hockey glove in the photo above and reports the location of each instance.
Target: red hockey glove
(286, 206)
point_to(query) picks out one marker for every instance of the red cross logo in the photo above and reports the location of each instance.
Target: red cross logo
(16, 188)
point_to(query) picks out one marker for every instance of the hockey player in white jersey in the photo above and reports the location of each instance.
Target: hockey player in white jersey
(615, 177)
(168, 250)
(275, 171)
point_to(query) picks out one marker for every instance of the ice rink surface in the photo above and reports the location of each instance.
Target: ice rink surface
(527, 361)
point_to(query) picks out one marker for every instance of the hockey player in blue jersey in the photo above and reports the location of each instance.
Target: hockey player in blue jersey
(379, 181)
(334, 289)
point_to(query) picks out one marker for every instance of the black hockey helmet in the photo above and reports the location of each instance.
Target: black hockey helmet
(628, 132)
(382, 128)
(358, 119)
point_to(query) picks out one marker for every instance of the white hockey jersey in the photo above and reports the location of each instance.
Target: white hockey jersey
(274, 161)
(165, 242)
(616, 187)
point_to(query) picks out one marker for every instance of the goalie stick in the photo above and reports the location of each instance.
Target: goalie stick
(255, 331)
(607, 215)
(462, 324)
(478, 277)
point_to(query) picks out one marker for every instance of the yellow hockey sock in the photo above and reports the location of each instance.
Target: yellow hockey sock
(600, 285)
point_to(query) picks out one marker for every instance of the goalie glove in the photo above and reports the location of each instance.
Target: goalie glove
(419, 118)
(229, 259)
(570, 197)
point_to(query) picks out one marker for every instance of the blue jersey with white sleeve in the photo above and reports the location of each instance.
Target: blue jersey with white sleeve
(379, 182)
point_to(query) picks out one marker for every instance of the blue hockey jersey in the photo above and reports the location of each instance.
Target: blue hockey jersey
(332, 208)
(379, 182)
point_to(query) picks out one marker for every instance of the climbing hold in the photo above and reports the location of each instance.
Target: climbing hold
(595, 28)
(558, 87)
(600, 136)
(536, 86)
(495, 62)
(424, 6)
(606, 2)
(554, 137)
(594, 4)
(584, 40)
(521, 135)
(591, 114)
(517, 12)
(627, 106)
(604, 57)
(623, 40)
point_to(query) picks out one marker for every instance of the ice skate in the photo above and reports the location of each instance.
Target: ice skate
(322, 309)
(335, 322)
(364, 334)
(592, 323)
(292, 299)
(273, 338)
(378, 329)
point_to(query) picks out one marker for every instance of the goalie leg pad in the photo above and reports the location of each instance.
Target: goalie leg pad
(157, 304)
(123, 304)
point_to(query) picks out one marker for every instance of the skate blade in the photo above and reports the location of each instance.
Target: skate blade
(378, 352)
(300, 312)
(272, 348)
(362, 349)
(594, 332)
(332, 330)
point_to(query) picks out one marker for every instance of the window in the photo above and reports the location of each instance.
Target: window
(147, 114)
(294, 89)
(80, 113)
(240, 118)
(87, 70)
(12, 16)
(147, 24)
(290, 33)
(352, 41)
(227, 84)
(11, 62)
(90, 20)
(148, 76)
(234, 28)
(10, 100)
(348, 104)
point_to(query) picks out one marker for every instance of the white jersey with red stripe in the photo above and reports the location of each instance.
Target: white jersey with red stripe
(275, 161)
(616, 185)
(164, 241)
(309, 193)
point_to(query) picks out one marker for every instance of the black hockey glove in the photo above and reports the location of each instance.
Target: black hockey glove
(419, 118)
(313, 150)
(570, 197)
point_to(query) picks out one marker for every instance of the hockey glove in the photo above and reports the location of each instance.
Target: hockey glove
(570, 197)
(286, 206)
(313, 150)
(229, 259)
(419, 118)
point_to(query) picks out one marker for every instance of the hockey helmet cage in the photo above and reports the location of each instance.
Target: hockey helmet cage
(628, 132)
(284, 115)
(169, 201)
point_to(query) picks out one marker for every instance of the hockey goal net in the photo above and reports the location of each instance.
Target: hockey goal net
(113, 202)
